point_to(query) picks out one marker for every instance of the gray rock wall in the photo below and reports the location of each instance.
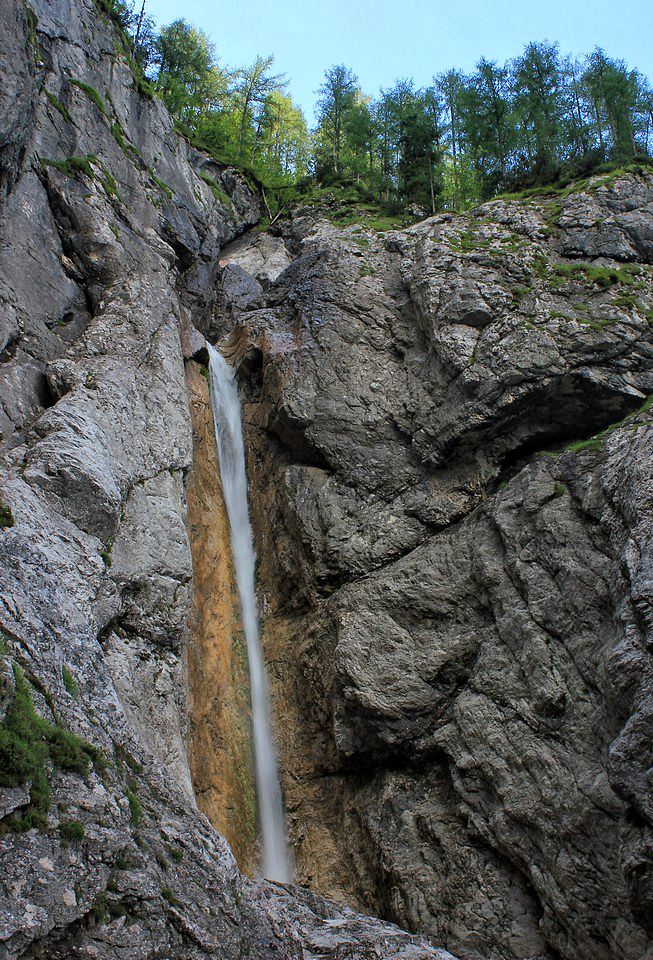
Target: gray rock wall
(468, 618)
(110, 240)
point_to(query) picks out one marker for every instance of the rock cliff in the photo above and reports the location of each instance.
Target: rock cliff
(448, 434)
(450, 439)
(111, 230)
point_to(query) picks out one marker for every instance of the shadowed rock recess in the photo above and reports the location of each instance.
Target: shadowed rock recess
(451, 471)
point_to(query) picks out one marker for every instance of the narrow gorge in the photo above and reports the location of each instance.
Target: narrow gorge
(447, 431)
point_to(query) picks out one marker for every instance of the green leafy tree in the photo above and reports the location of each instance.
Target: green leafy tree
(284, 141)
(254, 84)
(187, 77)
(539, 106)
(488, 122)
(336, 103)
(451, 88)
(615, 94)
(419, 178)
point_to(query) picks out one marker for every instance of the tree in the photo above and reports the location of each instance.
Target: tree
(283, 140)
(336, 101)
(451, 86)
(254, 85)
(539, 105)
(418, 179)
(144, 38)
(615, 93)
(187, 78)
(396, 109)
(488, 122)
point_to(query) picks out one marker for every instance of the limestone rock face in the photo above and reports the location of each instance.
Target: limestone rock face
(449, 444)
(109, 259)
(451, 469)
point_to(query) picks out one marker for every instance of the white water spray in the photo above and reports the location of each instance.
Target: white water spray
(227, 419)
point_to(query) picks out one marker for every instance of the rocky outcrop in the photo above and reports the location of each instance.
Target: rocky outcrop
(449, 441)
(112, 227)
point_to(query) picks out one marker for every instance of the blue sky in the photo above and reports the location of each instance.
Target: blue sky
(383, 40)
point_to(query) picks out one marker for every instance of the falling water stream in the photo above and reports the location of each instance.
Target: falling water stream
(275, 864)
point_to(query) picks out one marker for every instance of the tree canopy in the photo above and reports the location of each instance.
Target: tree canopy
(463, 138)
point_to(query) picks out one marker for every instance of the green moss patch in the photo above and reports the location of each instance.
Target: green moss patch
(604, 277)
(468, 242)
(161, 184)
(217, 191)
(69, 681)
(33, 40)
(71, 830)
(135, 806)
(72, 166)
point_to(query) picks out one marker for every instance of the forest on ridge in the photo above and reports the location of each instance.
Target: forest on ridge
(540, 118)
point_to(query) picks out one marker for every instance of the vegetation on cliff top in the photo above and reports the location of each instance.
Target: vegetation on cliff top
(538, 119)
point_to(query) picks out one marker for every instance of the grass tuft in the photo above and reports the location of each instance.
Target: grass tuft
(73, 165)
(6, 516)
(161, 184)
(58, 105)
(168, 894)
(69, 681)
(135, 806)
(71, 830)
(92, 95)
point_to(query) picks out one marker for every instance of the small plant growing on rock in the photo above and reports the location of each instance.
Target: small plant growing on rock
(73, 165)
(161, 184)
(71, 830)
(69, 681)
(6, 516)
(92, 94)
(105, 553)
(217, 190)
(58, 105)
(28, 743)
(100, 909)
(135, 806)
(168, 894)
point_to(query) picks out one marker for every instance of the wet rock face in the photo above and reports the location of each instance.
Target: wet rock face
(109, 259)
(465, 620)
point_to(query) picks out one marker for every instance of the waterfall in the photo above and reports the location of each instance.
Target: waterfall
(231, 454)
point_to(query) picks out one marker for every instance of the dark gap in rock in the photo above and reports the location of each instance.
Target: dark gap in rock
(44, 393)
(568, 412)
(185, 257)
(249, 367)
(293, 437)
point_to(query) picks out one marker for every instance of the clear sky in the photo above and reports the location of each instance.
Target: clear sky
(384, 40)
